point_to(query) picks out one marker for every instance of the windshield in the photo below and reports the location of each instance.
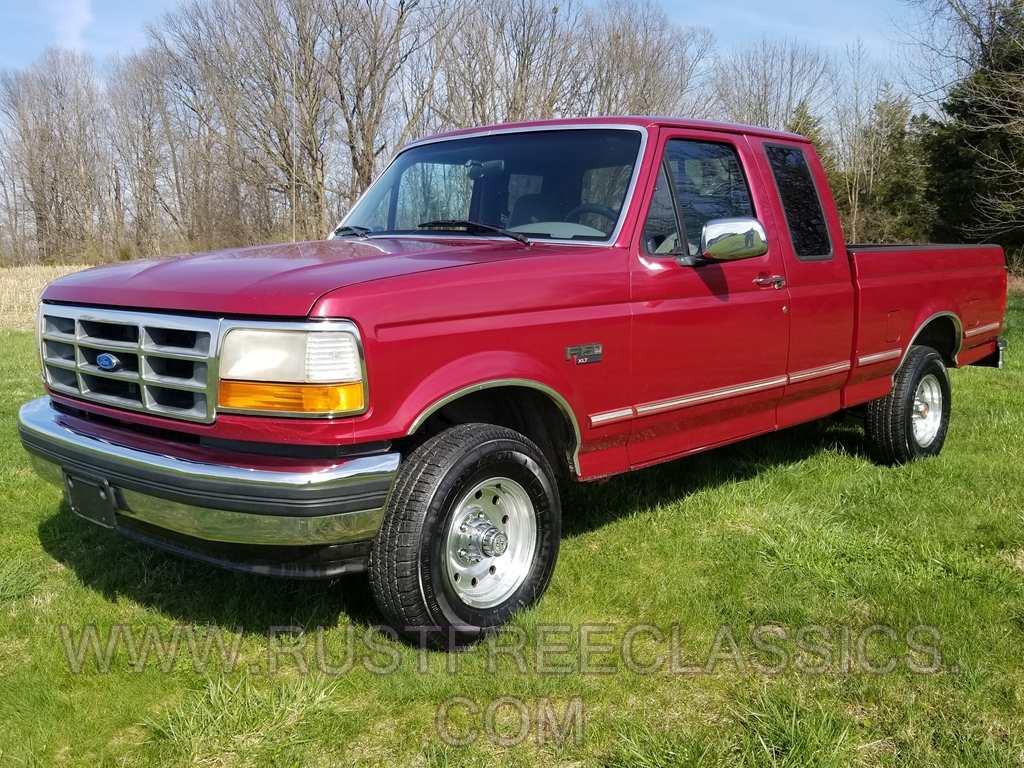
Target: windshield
(567, 184)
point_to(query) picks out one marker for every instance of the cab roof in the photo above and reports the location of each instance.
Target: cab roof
(638, 121)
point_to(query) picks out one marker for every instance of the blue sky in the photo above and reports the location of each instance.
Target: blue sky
(99, 27)
(821, 22)
(103, 27)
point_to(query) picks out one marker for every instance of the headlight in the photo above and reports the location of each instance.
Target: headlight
(310, 372)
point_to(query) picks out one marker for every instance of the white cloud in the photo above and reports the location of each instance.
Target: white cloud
(69, 19)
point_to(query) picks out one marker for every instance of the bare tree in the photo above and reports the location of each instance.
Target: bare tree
(276, 102)
(516, 60)
(370, 43)
(946, 42)
(14, 243)
(55, 118)
(855, 142)
(192, 124)
(641, 63)
(764, 82)
(467, 92)
(138, 143)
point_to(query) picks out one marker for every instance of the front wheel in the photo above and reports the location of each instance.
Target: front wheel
(470, 534)
(912, 420)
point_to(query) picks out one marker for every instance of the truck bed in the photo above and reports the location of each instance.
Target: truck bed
(952, 296)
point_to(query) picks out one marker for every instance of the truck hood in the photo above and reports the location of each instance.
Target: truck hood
(275, 280)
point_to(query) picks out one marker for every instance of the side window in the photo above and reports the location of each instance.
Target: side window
(806, 220)
(709, 184)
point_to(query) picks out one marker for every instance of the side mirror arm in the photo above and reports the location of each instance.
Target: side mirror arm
(693, 261)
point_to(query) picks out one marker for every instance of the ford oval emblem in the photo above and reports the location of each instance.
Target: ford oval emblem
(107, 362)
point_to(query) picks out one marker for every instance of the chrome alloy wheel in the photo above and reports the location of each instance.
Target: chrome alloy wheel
(489, 544)
(927, 414)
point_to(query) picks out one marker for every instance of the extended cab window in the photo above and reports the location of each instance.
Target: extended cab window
(698, 181)
(806, 220)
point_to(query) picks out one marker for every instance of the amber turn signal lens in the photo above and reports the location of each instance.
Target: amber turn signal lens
(294, 398)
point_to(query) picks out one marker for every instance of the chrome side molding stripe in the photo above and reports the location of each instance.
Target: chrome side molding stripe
(611, 417)
(706, 397)
(815, 373)
(625, 414)
(869, 359)
(983, 329)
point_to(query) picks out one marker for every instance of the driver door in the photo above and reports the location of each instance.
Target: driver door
(710, 342)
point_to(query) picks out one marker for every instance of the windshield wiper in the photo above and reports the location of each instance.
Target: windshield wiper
(352, 229)
(480, 226)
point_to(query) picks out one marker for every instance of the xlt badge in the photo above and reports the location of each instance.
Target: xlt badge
(584, 353)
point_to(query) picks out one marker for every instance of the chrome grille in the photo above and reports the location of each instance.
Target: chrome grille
(165, 364)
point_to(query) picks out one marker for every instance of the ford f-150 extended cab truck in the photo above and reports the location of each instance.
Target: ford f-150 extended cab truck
(504, 309)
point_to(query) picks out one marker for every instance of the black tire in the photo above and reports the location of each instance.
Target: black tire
(413, 573)
(889, 425)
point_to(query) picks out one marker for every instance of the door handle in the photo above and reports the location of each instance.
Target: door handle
(778, 281)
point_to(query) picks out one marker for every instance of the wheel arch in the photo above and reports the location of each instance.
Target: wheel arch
(943, 332)
(508, 395)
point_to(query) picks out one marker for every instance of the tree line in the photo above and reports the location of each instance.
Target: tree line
(250, 121)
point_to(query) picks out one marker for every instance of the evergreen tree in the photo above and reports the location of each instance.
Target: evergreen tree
(976, 154)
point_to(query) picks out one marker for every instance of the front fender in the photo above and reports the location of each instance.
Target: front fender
(483, 370)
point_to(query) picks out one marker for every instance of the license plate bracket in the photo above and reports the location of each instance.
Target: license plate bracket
(91, 498)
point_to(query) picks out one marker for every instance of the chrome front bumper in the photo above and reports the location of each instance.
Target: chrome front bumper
(211, 502)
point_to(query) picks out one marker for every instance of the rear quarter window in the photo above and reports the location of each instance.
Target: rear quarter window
(800, 200)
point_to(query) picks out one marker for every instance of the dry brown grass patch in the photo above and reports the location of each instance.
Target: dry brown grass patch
(1014, 559)
(19, 293)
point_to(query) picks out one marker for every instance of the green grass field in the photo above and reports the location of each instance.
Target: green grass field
(796, 529)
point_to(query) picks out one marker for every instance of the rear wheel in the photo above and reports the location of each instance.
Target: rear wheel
(912, 420)
(470, 534)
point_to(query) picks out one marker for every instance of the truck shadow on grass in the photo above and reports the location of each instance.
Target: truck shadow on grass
(188, 591)
(589, 506)
(192, 592)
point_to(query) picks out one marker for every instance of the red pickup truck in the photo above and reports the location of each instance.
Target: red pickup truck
(504, 309)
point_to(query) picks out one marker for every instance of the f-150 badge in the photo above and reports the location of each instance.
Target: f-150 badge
(584, 353)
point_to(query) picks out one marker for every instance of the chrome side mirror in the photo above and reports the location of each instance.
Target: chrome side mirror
(733, 239)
